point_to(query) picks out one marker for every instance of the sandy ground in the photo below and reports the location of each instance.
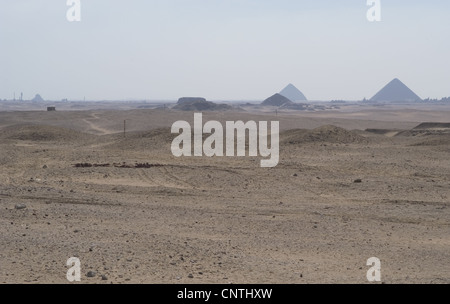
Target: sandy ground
(222, 220)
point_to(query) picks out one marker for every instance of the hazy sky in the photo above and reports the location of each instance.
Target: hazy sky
(222, 49)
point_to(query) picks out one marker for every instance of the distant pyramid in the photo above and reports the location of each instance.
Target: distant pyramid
(292, 93)
(396, 91)
(37, 98)
(276, 100)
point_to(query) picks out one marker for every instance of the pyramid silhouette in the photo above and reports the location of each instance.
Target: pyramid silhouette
(37, 98)
(395, 91)
(292, 93)
(276, 100)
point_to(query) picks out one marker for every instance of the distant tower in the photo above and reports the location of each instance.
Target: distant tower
(14, 96)
(21, 96)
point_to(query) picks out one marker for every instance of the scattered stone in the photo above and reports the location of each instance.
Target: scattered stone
(357, 181)
(104, 278)
(295, 174)
(44, 167)
(91, 274)
(190, 276)
(20, 206)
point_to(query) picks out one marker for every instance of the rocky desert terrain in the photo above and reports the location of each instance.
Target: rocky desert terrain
(350, 185)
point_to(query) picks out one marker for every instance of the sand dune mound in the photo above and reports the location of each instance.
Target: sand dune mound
(43, 133)
(428, 129)
(409, 133)
(153, 139)
(329, 134)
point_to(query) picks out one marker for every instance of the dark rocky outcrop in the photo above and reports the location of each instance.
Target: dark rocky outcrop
(183, 100)
(199, 104)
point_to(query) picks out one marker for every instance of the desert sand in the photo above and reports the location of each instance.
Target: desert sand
(339, 196)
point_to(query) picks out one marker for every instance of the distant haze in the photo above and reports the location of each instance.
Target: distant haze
(221, 50)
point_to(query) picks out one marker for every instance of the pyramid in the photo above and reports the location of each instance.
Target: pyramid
(396, 91)
(276, 100)
(292, 93)
(37, 98)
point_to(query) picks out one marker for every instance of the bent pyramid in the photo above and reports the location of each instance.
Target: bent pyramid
(395, 91)
(292, 93)
(276, 100)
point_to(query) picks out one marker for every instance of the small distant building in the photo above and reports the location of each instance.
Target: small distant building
(51, 109)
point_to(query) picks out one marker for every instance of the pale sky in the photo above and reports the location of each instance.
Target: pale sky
(221, 49)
